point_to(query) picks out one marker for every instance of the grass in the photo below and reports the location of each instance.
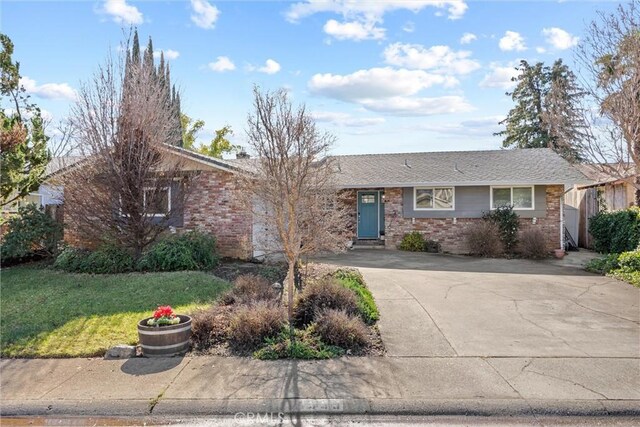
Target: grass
(47, 313)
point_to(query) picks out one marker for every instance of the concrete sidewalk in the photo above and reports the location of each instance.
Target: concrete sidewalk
(381, 385)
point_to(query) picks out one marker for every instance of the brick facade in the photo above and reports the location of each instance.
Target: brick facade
(215, 207)
(451, 232)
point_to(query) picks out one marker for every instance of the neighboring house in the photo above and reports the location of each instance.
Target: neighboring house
(439, 194)
(603, 192)
(48, 194)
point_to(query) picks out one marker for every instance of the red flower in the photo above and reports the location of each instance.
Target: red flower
(163, 311)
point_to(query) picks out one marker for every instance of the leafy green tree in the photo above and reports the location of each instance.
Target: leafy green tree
(547, 113)
(190, 129)
(218, 146)
(23, 144)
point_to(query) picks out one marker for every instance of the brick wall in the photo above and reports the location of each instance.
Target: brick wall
(451, 232)
(213, 206)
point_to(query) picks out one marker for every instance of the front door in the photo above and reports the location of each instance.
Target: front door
(368, 214)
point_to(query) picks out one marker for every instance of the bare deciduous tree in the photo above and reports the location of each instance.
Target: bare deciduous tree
(129, 183)
(292, 190)
(610, 55)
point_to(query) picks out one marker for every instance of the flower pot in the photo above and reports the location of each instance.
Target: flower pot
(559, 253)
(164, 341)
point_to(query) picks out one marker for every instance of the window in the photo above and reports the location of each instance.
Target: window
(29, 198)
(518, 197)
(368, 198)
(436, 198)
(157, 201)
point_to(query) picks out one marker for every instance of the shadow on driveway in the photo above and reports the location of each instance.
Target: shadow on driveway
(399, 260)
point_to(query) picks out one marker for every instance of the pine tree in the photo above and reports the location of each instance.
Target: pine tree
(547, 113)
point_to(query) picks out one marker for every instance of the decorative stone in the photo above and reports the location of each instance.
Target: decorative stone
(276, 285)
(121, 351)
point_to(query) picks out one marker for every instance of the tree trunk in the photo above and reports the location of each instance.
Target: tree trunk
(287, 296)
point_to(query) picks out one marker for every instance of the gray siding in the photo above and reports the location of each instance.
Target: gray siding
(472, 202)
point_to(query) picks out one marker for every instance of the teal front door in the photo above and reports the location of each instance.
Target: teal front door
(368, 214)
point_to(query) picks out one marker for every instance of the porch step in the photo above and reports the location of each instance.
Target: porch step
(368, 244)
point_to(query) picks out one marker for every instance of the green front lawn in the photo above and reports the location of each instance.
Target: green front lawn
(47, 313)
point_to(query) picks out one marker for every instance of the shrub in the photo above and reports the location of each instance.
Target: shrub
(630, 261)
(209, 326)
(483, 238)
(603, 265)
(188, 251)
(533, 245)
(432, 246)
(250, 288)
(32, 232)
(631, 277)
(507, 221)
(353, 280)
(615, 232)
(71, 259)
(336, 327)
(307, 345)
(108, 259)
(252, 324)
(320, 295)
(412, 242)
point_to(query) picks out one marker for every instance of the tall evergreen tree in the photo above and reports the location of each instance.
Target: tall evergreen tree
(145, 63)
(547, 113)
(23, 144)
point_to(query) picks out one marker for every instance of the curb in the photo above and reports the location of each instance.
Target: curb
(324, 407)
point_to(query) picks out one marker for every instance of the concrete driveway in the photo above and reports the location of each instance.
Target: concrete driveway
(436, 305)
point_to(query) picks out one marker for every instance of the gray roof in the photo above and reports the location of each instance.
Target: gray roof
(497, 167)
(59, 163)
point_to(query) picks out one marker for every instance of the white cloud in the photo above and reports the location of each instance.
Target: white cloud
(479, 127)
(376, 83)
(49, 90)
(390, 91)
(512, 41)
(440, 59)
(408, 106)
(468, 38)
(541, 49)
(122, 13)
(354, 30)
(204, 14)
(169, 54)
(345, 119)
(409, 27)
(270, 67)
(362, 18)
(500, 76)
(222, 64)
(559, 38)
(372, 9)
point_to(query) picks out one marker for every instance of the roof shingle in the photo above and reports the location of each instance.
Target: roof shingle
(497, 167)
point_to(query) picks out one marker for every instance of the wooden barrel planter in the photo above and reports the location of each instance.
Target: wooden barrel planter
(164, 341)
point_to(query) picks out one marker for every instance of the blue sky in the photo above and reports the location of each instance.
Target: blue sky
(383, 76)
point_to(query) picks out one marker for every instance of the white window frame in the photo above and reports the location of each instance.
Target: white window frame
(144, 200)
(433, 189)
(511, 187)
